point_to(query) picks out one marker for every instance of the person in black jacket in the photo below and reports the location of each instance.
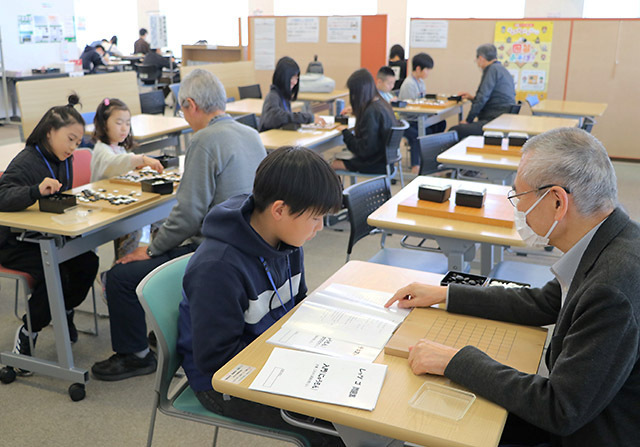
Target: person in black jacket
(42, 168)
(92, 58)
(276, 109)
(374, 119)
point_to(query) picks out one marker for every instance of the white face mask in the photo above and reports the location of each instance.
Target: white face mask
(530, 237)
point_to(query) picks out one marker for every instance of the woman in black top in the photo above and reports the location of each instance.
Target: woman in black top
(374, 119)
(44, 167)
(276, 109)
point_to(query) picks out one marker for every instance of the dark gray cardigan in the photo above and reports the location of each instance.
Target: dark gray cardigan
(592, 395)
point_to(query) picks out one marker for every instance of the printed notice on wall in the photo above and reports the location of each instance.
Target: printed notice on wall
(25, 29)
(264, 55)
(303, 29)
(344, 29)
(429, 33)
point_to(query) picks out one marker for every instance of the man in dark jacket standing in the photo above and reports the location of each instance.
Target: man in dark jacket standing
(495, 95)
(564, 195)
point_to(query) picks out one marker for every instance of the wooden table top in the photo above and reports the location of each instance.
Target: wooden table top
(149, 126)
(33, 220)
(458, 155)
(387, 216)
(254, 105)
(323, 97)
(275, 138)
(533, 125)
(8, 153)
(392, 417)
(574, 108)
(414, 108)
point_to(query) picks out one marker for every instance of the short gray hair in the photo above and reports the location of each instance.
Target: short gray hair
(575, 159)
(488, 51)
(205, 89)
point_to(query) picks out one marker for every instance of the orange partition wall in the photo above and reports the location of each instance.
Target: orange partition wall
(373, 50)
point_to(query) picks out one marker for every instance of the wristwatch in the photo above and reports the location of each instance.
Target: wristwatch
(149, 252)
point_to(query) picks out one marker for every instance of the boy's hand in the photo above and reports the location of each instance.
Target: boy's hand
(418, 295)
(319, 121)
(49, 186)
(347, 111)
(466, 95)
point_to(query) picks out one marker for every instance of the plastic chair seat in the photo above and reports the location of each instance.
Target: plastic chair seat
(412, 259)
(18, 276)
(534, 274)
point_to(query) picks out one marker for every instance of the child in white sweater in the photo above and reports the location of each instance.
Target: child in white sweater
(111, 156)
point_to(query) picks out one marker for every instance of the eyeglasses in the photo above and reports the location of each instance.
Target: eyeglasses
(513, 197)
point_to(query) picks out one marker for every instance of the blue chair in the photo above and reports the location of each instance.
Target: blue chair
(532, 100)
(160, 293)
(364, 198)
(535, 274)
(88, 117)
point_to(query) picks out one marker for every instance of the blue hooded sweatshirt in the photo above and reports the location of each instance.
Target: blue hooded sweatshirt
(228, 297)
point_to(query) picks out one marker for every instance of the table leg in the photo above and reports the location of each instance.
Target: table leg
(459, 252)
(422, 123)
(353, 437)
(490, 255)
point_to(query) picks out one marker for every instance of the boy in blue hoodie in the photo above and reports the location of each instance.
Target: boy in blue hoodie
(249, 272)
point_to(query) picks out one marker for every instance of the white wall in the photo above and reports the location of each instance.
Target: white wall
(106, 19)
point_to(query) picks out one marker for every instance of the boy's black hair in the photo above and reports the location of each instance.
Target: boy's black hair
(143, 31)
(106, 107)
(300, 178)
(396, 50)
(286, 68)
(55, 118)
(422, 60)
(385, 71)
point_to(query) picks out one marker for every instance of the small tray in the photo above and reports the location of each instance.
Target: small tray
(442, 401)
(453, 277)
(56, 203)
(157, 186)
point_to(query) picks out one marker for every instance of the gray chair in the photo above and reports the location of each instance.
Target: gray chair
(152, 102)
(250, 91)
(248, 120)
(433, 145)
(148, 74)
(393, 156)
(364, 198)
(160, 293)
(175, 89)
(515, 109)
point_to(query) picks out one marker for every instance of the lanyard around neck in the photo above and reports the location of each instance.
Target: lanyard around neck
(273, 284)
(418, 85)
(66, 162)
(286, 106)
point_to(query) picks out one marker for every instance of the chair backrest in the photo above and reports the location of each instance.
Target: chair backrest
(148, 74)
(431, 146)
(250, 91)
(248, 120)
(81, 167)
(175, 89)
(88, 117)
(361, 200)
(392, 149)
(152, 102)
(588, 123)
(533, 100)
(160, 293)
(515, 109)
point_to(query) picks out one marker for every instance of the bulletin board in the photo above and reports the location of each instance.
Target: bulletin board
(593, 60)
(339, 59)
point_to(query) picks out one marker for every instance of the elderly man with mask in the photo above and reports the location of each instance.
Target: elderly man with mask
(495, 95)
(221, 162)
(565, 195)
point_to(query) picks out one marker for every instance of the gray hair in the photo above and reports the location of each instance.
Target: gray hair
(575, 159)
(205, 89)
(488, 51)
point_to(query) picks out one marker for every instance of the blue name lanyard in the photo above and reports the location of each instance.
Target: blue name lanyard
(273, 284)
(66, 163)
(419, 86)
(285, 105)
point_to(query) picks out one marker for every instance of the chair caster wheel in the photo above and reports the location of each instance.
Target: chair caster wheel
(7, 374)
(77, 391)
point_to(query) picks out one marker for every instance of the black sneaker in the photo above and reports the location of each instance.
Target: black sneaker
(73, 332)
(123, 366)
(21, 346)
